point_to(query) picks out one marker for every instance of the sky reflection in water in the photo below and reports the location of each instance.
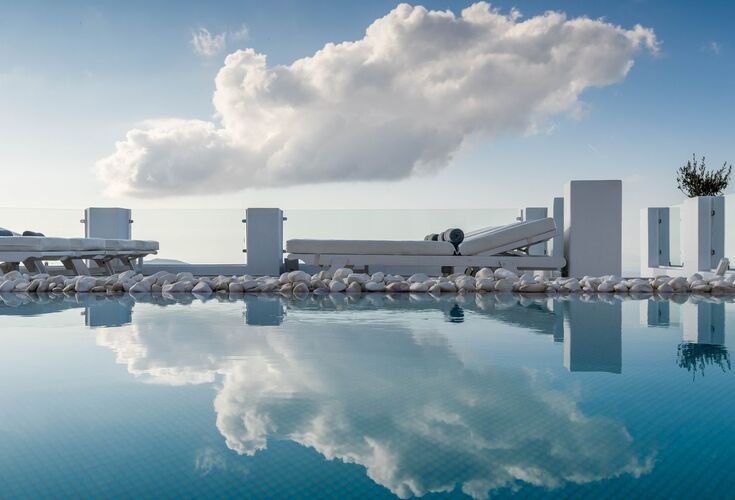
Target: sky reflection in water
(378, 395)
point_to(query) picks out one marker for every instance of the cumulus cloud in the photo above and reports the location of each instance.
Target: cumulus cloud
(208, 45)
(447, 425)
(399, 101)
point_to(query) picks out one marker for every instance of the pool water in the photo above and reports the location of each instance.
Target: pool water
(371, 396)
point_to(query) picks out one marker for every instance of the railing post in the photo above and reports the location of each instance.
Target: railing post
(264, 241)
(107, 222)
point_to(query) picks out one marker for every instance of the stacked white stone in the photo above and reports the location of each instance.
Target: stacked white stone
(347, 281)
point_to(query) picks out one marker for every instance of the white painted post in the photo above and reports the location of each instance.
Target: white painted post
(703, 233)
(536, 213)
(107, 222)
(593, 227)
(264, 241)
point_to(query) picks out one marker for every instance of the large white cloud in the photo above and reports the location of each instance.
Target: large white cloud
(400, 101)
(394, 396)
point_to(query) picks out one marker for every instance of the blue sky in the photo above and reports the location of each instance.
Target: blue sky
(76, 76)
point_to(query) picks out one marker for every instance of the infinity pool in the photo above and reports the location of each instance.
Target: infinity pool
(371, 396)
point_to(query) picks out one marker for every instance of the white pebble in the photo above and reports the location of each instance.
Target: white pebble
(374, 286)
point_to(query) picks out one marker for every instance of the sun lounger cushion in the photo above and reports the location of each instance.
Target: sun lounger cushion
(34, 244)
(370, 247)
(49, 244)
(55, 245)
(130, 245)
(20, 244)
(32, 233)
(87, 244)
(5, 232)
(480, 242)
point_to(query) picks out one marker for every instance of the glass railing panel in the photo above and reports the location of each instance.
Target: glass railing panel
(195, 236)
(64, 223)
(389, 224)
(217, 236)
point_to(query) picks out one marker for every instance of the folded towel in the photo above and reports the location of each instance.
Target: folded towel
(453, 235)
(32, 233)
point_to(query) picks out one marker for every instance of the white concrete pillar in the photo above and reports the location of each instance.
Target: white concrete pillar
(107, 222)
(593, 227)
(264, 241)
(703, 233)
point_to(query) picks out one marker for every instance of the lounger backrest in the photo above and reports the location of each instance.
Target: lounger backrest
(369, 247)
(57, 245)
(489, 230)
(522, 233)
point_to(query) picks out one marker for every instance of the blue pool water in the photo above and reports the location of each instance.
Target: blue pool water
(371, 396)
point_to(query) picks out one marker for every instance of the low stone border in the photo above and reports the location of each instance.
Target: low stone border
(347, 281)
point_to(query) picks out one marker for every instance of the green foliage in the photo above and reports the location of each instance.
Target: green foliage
(693, 179)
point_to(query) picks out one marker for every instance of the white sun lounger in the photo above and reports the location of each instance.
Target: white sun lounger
(32, 251)
(484, 248)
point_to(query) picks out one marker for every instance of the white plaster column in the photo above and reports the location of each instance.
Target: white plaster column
(593, 227)
(264, 241)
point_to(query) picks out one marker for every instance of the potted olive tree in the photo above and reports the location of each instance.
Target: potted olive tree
(693, 179)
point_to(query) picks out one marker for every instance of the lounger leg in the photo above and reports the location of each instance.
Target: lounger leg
(126, 263)
(75, 265)
(105, 264)
(335, 264)
(35, 266)
(7, 267)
